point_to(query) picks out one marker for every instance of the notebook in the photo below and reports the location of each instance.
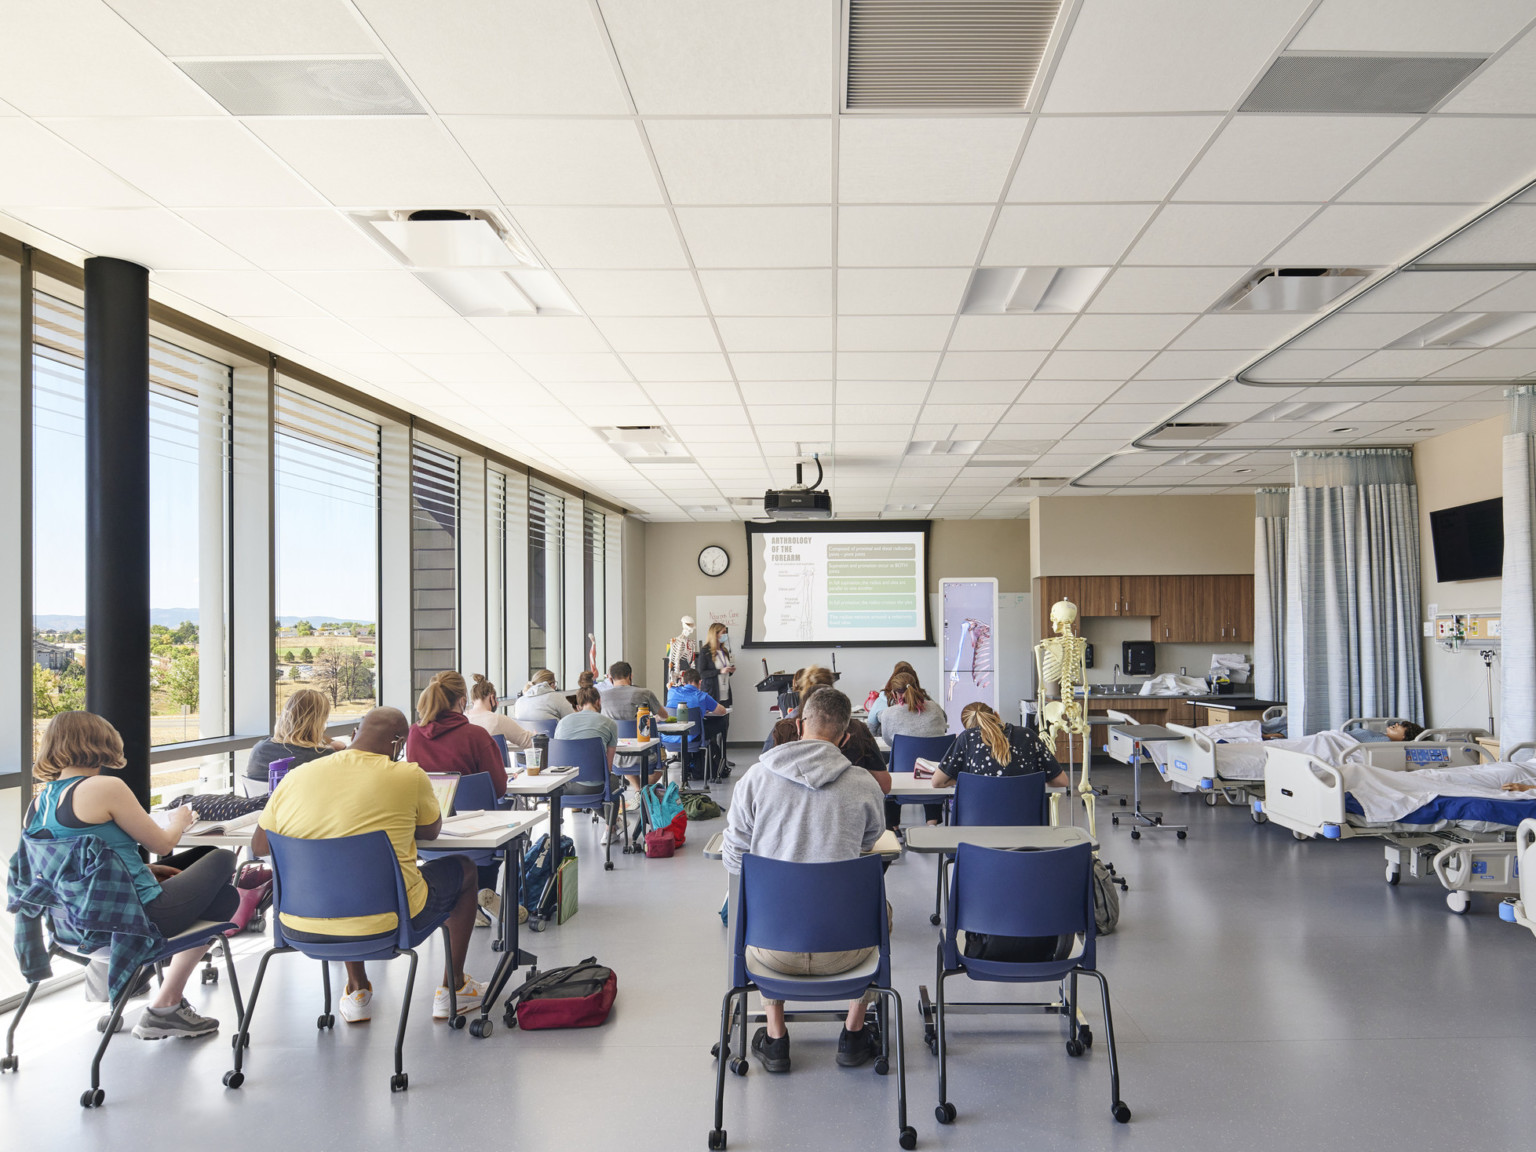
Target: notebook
(444, 785)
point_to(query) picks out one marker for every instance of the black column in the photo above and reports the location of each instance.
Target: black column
(117, 506)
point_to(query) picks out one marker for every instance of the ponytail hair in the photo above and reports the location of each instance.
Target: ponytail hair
(902, 669)
(981, 717)
(587, 695)
(481, 689)
(440, 695)
(904, 689)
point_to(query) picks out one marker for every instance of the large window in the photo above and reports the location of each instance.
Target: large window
(327, 531)
(496, 577)
(546, 577)
(594, 572)
(434, 562)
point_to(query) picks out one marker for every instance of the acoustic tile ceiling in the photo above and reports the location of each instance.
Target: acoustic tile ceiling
(716, 249)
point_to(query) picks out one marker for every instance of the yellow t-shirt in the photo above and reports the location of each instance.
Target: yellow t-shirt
(347, 794)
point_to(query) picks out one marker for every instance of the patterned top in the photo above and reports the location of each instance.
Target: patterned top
(970, 753)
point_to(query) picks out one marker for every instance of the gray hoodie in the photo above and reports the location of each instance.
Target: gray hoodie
(804, 802)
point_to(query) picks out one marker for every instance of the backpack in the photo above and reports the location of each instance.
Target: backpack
(538, 871)
(664, 809)
(1106, 900)
(253, 883)
(701, 806)
(576, 997)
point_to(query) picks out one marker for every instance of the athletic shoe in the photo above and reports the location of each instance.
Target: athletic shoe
(490, 908)
(856, 1048)
(180, 1022)
(356, 1007)
(469, 998)
(773, 1055)
(522, 914)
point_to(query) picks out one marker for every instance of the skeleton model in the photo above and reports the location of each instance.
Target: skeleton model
(682, 651)
(1060, 661)
(979, 636)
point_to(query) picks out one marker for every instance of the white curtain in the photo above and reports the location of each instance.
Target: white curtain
(1517, 717)
(1271, 514)
(1352, 589)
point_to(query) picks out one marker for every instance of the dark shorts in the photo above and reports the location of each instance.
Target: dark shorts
(445, 879)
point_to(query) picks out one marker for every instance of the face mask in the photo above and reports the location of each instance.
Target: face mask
(725, 637)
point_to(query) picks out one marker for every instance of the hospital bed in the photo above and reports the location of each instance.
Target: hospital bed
(1464, 833)
(1522, 909)
(1429, 735)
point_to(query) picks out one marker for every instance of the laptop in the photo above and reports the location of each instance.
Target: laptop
(444, 785)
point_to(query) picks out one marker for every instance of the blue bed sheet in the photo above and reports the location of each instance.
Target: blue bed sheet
(1481, 808)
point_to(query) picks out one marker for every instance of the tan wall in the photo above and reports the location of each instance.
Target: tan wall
(1460, 467)
(673, 581)
(1141, 535)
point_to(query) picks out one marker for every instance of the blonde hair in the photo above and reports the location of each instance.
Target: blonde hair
(712, 639)
(905, 688)
(482, 689)
(541, 676)
(303, 719)
(980, 716)
(442, 692)
(902, 669)
(77, 740)
(808, 680)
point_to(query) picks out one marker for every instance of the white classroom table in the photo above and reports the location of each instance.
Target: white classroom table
(905, 785)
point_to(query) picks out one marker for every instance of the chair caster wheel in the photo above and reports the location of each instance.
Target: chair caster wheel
(945, 1113)
(1122, 801)
(481, 1027)
(1122, 1112)
(1115, 820)
(933, 918)
(608, 866)
(717, 1139)
(882, 1066)
(933, 1046)
(498, 946)
(739, 1066)
(92, 1098)
(210, 976)
(9, 1063)
(714, 1050)
(535, 925)
(1182, 835)
(1135, 833)
(458, 1022)
(1075, 1048)
(399, 1082)
(909, 1138)
(1085, 1034)
(325, 1020)
(234, 1079)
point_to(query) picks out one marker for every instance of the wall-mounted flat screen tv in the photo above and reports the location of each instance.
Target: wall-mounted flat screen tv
(1469, 541)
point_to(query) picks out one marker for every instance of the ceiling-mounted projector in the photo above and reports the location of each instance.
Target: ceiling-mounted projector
(800, 502)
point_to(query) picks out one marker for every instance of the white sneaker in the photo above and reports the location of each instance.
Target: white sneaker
(356, 1007)
(469, 998)
(490, 903)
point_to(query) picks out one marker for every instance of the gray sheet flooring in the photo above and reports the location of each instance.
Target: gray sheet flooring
(1268, 994)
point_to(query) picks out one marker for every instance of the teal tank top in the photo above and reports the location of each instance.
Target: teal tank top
(45, 818)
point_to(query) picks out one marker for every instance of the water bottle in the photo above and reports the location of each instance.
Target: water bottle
(682, 714)
(643, 724)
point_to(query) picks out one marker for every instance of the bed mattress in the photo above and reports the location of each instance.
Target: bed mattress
(1475, 813)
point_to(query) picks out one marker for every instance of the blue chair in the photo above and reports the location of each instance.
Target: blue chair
(475, 793)
(506, 752)
(1031, 894)
(697, 745)
(541, 727)
(830, 907)
(905, 753)
(1011, 801)
(305, 883)
(589, 756)
(201, 935)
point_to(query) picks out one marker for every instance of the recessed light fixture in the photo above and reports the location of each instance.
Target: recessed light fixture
(1188, 432)
(942, 447)
(1342, 429)
(1418, 429)
(307, 86)
(1241, 471)
(1468, 330)
(1306, 410)
(1020, 291)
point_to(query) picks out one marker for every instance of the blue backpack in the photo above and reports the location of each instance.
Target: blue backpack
(539, 870)
(663, 804)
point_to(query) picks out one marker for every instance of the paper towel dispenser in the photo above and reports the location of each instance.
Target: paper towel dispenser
(1137, 657)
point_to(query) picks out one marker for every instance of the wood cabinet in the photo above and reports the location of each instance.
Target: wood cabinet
(1184, 609)
(1140, 595)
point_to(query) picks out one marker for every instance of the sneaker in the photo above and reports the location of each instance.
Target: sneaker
(522, 914)
(857, 1048)
(773, 1055)
(356, 1007)
(178, 1022)
(490, 908)
(469, 998)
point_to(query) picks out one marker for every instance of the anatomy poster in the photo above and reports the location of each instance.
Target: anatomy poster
(969, 610)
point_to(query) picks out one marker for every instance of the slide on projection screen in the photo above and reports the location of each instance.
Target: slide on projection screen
(843, 583)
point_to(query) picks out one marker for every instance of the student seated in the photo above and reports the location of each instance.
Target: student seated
(988, 747)
(856, 744)
(74, 799)
(482, 710)
(887, 696)
(585, 680)
(622, 701)
(804, 802)
(443, 739)
(365, 789)
(913, 712)
(299, 735)
(699, 702)
(541, 700)
(586, 722)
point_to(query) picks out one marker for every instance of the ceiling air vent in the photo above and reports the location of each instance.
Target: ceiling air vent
(313, 86)
(1328, 82)
(1189, 433)
(942, 54)
(645, 444)
(1291, 289)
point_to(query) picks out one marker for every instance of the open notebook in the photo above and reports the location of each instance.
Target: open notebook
(211, 827)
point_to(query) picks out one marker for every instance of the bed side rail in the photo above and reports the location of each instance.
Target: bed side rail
(1303, 793)
(1451, 735)
(1406, 756)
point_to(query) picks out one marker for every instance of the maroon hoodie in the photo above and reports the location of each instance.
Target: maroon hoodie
(452, 744)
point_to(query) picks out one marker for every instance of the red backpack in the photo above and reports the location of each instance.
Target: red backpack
(576, 997)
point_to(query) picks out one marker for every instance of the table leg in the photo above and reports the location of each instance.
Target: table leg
(512, 896)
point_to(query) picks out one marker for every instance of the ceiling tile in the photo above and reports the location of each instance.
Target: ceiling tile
(1307, 365)
(573, 367)
(1064, 159)
(518, 335)
(41, 169)
(1517, 295)
(1108, 331)
(683, 57)
(538, 56)
(1054, 393)
(900, 290)
(1008, 333)
(785, 392)
(1255, 331)
(1429, 291)
(1065, 233)
(1494, 364)
(467, 367)
(1363, 330)
(1117, 366)
(1179, 56)
(1217, 233)
(895, 160)
(1289, 157)
(1165, 289)
(377, 161)
(1454, 160)
(886, 365)
(233, 28)
(775, 292)
(446, 334)
(776, 333)
(782, 365)
(620, 293)
(1503, 85)
(563, 161)
(348, 294)
(892, 333)
(1184, 365)
(292, 239)
(1411, 26)
(1374, 234)
(667, 367)
(317, 335)
(238, 293)
(660, 334)
(1161, 391)
(873, 394)
(990, 365)
(786, 161)
(758, 237)
(603, 237)
(376, 368)
(909, 237)
(153, 237)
